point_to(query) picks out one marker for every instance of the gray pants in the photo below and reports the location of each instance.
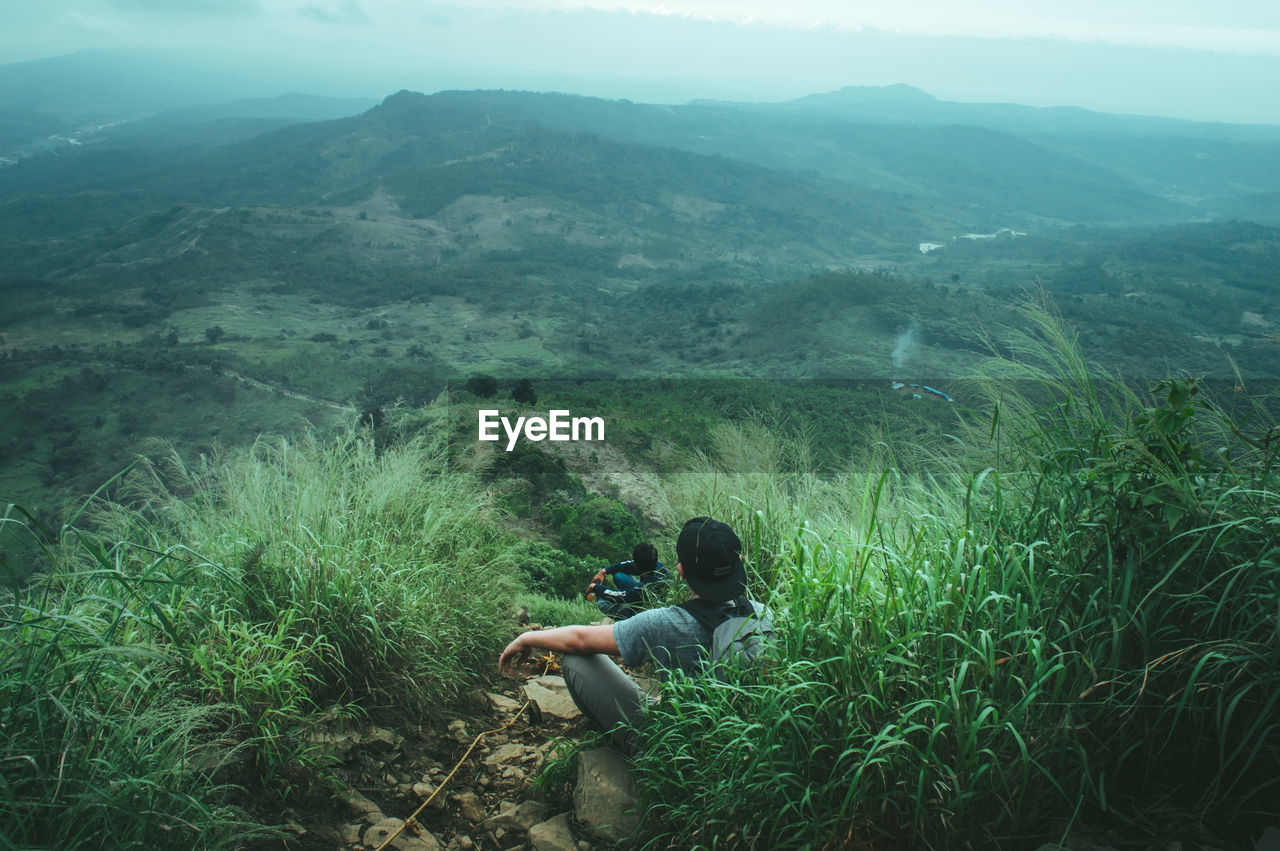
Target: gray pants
(609, 698)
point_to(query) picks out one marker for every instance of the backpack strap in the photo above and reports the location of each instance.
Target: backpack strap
(711, 615)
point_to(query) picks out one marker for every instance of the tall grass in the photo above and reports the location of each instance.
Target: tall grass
(1082, 626)
(214, 614)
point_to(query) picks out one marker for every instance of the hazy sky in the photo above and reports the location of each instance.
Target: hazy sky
(1186, 58)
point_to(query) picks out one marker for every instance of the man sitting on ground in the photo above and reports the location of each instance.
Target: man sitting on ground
(641, 579)
(710, 562)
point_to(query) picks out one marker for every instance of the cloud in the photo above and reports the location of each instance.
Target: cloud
(1226, 25)
(343, 13)
(221, 8)
(435, 20)
(78, 22)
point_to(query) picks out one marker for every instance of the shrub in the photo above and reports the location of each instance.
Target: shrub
(482, 386)
(599, 526)
(552, 572)
(209, 616)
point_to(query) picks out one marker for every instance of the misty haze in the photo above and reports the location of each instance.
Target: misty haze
(968, 326)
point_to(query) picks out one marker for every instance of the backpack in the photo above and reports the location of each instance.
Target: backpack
(739, 636)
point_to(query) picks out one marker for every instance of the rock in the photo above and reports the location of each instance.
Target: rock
(330, 837)
(605, 798)
(379, 740)
(408, 840)
(1269, 841)
(338, 743)
(552, 696)
(359, 802)
(651, 686)
(425, 790)
(506, 753)
(341, 743)
(470, 806)
(519, 818)
(350, 833)
(458, 730)
(553, 835)
(423, 841)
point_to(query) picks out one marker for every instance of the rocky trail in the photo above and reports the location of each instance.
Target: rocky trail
(491, 801)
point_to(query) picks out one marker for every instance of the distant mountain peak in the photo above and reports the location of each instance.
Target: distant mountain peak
(404, 98)
(896, 93)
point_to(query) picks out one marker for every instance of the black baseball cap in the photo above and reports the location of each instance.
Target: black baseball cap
(712, 558)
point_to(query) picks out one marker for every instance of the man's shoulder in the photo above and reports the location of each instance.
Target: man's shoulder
(658, 617)
(667, 626)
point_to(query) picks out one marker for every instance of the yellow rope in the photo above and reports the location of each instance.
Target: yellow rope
(413, 819)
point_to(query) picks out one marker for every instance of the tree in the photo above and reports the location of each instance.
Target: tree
(524, 393)
(482, 385)
(214, 333)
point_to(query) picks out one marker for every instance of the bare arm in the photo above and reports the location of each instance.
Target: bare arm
(576, 640)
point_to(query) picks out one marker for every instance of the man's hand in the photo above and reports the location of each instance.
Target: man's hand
(516, 653)
(598, 579)
(578, 640)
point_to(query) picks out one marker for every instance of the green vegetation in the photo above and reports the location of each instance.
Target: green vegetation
(555, 574)
(191, 635)
(1072, 620)
(1047, 603)
(1055, 618)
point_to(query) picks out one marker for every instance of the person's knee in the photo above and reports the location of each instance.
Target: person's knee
(578, 669)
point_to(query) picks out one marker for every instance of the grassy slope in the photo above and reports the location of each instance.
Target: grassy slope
(355, 301)
(197, 629)
(1078, 633)
(266, 585)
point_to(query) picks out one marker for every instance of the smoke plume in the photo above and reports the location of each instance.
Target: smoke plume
(906, 344)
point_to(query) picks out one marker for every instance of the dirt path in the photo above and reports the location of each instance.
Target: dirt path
(292, 394)
(387, 773)
(603, 468)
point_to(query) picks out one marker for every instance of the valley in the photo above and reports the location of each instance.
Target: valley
(958, 374)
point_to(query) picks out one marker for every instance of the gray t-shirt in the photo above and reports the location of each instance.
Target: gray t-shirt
(670, 637)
